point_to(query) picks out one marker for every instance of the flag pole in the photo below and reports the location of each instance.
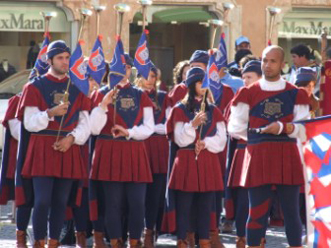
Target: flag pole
(98, 9)
(47, 18)
(84, 14)
(273, 11)
(120, 8)
(214, 23)
(144, 4)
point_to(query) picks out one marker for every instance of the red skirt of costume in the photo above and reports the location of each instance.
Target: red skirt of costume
(272, 163)
(157, 147)
(120, 160)
(192, 175)
(42, 160)
(12, 159)
(237, 165)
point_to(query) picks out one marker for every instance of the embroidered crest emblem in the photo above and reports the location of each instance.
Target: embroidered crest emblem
(79, 68)
(58, 98)
(272, 108)
(127, 103)
(96, 59)
(142, 54)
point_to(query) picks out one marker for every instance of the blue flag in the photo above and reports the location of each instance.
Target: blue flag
(117, 65)
(41, 66)
(212, 78)
(221, 54)
(78, 69)
(141, 59)
(96, 64)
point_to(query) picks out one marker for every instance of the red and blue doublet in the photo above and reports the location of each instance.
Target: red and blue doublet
(8, 163)
(46, 92)
(157, 145)
(119, 159)
(189, 174)
(271, 159)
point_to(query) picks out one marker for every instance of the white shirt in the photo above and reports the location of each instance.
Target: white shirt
(15, 128)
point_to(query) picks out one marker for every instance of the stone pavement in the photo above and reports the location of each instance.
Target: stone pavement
(275, 235)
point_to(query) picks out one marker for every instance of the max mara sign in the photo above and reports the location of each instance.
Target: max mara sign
(308, 28)
(28, 19)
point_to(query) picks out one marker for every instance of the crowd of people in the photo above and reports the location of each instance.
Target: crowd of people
(134, 161)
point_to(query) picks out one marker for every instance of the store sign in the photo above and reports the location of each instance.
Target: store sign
(29, 19)
(20, 21)
(301, 28)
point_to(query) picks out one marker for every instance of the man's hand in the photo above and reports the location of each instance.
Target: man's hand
(119, 131)
(199, 146)
(58, 110)
(272, 128)
(199, 119)
(64, 144)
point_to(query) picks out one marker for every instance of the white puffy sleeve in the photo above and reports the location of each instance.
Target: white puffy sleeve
(238, 121)
(35, 120)
(98, 120)
(82, 131)
(15, 127)
(216, 143)
(144, 130)
(184, 134)
(301, 112)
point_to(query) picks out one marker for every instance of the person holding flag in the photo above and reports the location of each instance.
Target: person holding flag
(41, 109)
(157, 148)
(199, 58)
(122, 118)
(116, 72)
(267, 109)
(195, 181)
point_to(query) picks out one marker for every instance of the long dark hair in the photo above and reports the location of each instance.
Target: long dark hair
(190, 98)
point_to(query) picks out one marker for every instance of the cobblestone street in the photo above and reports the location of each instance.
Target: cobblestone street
(275, 235)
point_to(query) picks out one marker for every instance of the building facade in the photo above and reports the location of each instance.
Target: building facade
(177, 27)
